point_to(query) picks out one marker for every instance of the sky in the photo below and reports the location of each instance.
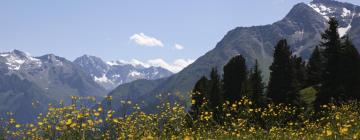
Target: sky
(157, 32)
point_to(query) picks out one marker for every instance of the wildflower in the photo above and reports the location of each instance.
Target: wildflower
(73, 125)
(343, 130)
(187, 138)
(328, 132)
(193, 101)
(90, 122)
(234, 105)
(17, 125)
(12, 121)
(68, 122)
(116, 120)
(40, 123)
(58, 128)
(96, 114)
(333, 107)
(100, 109)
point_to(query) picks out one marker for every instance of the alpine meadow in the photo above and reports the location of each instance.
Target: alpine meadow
(144, 70)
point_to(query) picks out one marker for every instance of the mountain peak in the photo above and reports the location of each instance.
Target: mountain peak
(344, 13)
(329, 2)
(17, 59)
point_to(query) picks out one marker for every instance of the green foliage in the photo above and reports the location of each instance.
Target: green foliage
(332, 89)
(315, 68)
(198, 97)
(234, 79)
(257, 86)
(215, 93)
(350, 70)
(308, 96)
(283, 84)
(341, 72)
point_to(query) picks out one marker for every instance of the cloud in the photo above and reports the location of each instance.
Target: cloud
(144, 40)
(178, 46)
(174, 67)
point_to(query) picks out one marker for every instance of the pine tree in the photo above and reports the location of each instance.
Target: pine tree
(332, 88)
(350, 70)
(315, 68)
(257, 86)
(214, 94)
(299, 68)
(282, 87)
(234, 78)
(198, 97)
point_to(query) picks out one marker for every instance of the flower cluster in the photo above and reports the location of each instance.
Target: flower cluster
(242, 120)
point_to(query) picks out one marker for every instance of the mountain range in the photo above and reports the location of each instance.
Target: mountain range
(28, 81)
(302, 27)
(114, 73)
(29, 84)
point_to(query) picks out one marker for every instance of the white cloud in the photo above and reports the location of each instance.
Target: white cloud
(178, 46)
(133, 62)
(175, 66)
(144, 40)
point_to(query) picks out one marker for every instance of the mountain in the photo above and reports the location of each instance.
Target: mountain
(302, 27)
(114, 73)
(27, 81)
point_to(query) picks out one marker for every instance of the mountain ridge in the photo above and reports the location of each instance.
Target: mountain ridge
(113, 73)
(42, 80)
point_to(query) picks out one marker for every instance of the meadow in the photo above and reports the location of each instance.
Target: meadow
(173, 122)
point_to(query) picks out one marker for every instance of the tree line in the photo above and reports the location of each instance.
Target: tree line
(333, 70)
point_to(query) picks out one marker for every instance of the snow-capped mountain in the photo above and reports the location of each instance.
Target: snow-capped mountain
(113, 73)
(52, 73)
(17, 60)
(25, 80)
(344, 12)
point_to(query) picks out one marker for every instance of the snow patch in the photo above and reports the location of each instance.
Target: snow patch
(322, 10)
(15, 61)
(4, 54)
(342, 31)
(116, 76)
(345, 13)
(134, 73)
(102, 79)
(113, 63)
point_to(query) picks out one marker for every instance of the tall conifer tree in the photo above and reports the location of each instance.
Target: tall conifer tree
(234, 78)
(332, 88)
(282, 87)
(214, 95)
(315, 68)
(257, 86)
(299, 68)
(350, 70)
(198, 97)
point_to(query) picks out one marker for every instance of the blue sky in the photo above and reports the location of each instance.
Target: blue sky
(128, 29)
